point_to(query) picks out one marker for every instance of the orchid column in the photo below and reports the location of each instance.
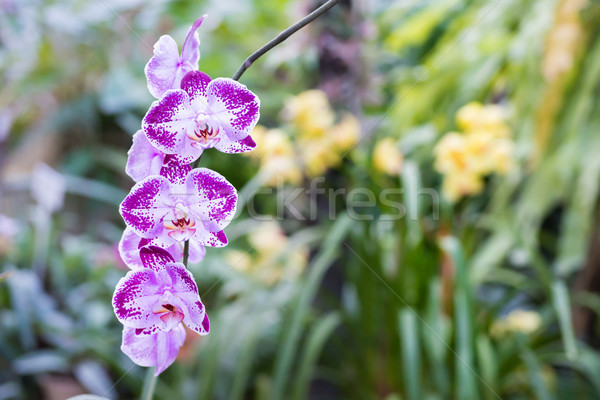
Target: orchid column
(174, 209)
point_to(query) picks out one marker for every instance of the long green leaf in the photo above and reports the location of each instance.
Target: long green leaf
(411, 354)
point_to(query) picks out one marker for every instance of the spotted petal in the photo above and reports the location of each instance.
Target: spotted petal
(167, 122)
(234, 106)
(238, 146)
(218, 198)
(146, 205)
(134, 299)
(186, 289)
(153, 349)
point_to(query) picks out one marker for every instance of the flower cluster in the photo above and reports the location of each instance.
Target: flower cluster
(173, 202)
(484, 148)
(319, 142)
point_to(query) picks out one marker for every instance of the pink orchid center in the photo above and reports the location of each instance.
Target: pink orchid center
(169, 314)
(179, 223)
(205, 132)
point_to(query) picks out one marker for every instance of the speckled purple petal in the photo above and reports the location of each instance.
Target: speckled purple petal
(143, 159)
(235, 107)
(196, 318)
(175, 170)
(167, 122)
(155, 258)
(195, 84)
(190, 54)
(239, 146)
(217, 198)
(212, 239)
(161, 70)
(145, 206)
(153, 350)
(131, 243)
(134, 298)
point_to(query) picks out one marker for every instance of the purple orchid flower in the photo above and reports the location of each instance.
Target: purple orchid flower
(160, 296)
(204, 113)
(166, 68)
(152, 303)
(197, 207)
(131, 243)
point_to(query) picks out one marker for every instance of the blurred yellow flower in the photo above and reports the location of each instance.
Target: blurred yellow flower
(275, 151)
(484, 148)
(268, 238)
(318, 156)
(477, 117)
(345, 133)
(387, 158)
(460, 184)
(524, 321)
(310, 112)
(450, 153)
(266, 262)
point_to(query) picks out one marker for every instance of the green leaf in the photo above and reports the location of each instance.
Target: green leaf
(318, 336)
(562, 307)
(411, 355)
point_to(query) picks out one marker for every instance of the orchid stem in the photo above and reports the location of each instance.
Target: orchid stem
(149, 384)
(283, 36)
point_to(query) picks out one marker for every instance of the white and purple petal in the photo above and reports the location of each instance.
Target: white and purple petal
(155, 258)
(167, 122)
(145, 206)
(135, 297)
(143, 158)
(217, 198)
(157, 349)
(175, 169)
(234, 106)
(226, 145)
(190, 54)
(195, 84)
(161, 70)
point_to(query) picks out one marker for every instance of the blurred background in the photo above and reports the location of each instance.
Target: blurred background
(452, 250)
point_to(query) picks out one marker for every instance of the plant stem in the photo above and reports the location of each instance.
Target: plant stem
(149, 384)
(283, 36)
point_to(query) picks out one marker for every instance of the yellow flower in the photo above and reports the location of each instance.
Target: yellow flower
(318, 156)
(268, 238)
(462, 183)
(239, 260)
(310, 112)
(451, 154)
(346, 133)
(523, 321)
(477, 117)
(276, 154)
(387, 158)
